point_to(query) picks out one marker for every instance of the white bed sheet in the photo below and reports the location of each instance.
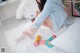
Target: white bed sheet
(26, 46)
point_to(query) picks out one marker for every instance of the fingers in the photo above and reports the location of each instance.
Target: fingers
(28, 33)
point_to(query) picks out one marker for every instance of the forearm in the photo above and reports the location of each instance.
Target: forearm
(43, 15)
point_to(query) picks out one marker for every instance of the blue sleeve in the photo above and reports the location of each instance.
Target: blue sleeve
(43, 15)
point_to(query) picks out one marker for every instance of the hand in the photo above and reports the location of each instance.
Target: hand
(30, 32)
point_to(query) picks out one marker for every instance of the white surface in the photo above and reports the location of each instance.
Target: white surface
(27, 45)
(26, 9)
(70, 39)
(8, 11)
(14, 33)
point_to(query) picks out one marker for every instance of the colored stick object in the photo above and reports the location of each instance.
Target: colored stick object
(37, 40)
(49, 40)
(42, 42)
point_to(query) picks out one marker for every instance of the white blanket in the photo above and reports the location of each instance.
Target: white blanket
(26, 46)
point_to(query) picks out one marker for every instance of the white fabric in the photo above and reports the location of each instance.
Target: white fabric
(70, 39)
(26, 46)
(26, 9)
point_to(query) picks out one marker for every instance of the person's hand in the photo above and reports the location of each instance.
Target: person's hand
(30, 32)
